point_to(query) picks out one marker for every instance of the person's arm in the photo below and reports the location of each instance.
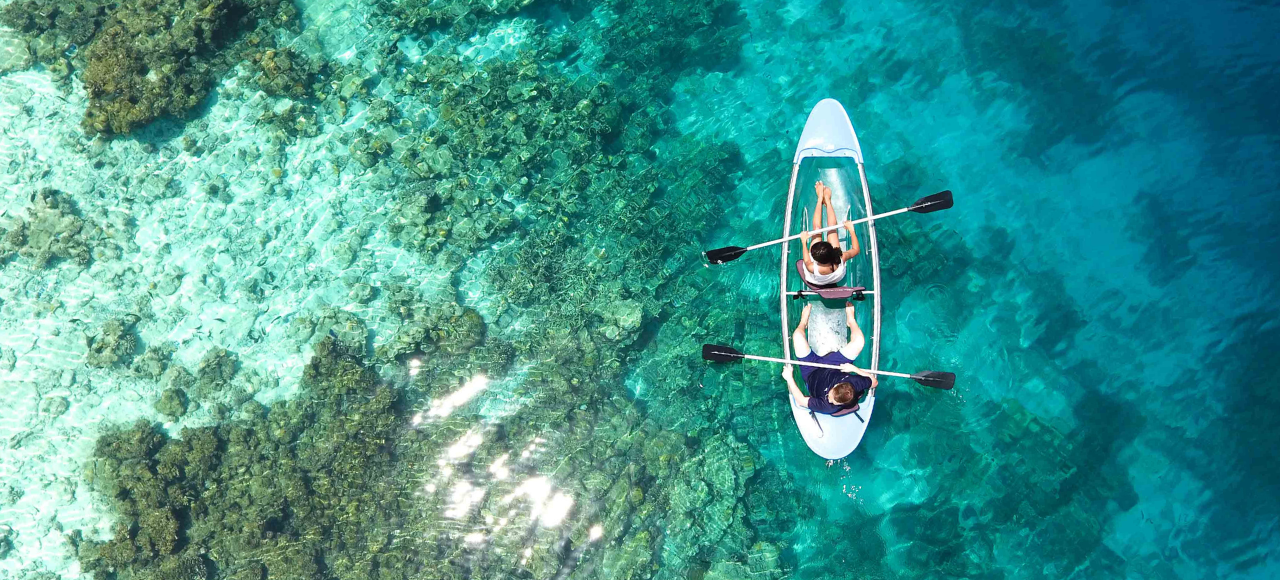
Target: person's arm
(804, 250)
(853, 241)
(850, 368)
(800, 397)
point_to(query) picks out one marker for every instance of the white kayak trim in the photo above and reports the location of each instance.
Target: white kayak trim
(829, 133)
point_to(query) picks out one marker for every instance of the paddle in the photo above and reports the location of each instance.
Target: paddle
(935, 379)
(928, 204)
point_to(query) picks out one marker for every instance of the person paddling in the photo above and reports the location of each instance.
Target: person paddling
(831, 392)
(824, 259)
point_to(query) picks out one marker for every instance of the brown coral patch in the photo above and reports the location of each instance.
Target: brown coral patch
(159, 57)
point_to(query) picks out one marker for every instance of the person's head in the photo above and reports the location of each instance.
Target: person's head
(842, 393)
(825, 253)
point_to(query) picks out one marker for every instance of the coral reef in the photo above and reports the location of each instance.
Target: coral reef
(53, 230)
(55, 27)
(54, 407)
(213, 374)
(115, 345)
(153, 361)
(153, 59)
(464, 16)
(145, 59)
(172, 403)
(305, 487)
(6, 543)
(524, 154)
(283, 72)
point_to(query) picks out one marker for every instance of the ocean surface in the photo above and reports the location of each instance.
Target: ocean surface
(405, 289)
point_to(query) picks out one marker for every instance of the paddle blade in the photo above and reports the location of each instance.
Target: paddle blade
(725, 254)
(936, 379)
(931, 203)
(718, 353)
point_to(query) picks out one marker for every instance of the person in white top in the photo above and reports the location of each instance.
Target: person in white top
(824, 259)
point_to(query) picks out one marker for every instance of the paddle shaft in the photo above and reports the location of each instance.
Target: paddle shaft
(820, 365)
(831, 228)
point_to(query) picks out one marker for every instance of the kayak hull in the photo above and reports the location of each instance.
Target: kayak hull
(829, 151)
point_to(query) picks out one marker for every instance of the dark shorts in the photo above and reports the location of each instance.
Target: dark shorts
(834, 357)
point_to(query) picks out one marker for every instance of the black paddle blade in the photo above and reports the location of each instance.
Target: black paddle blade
(936, 379)
(725, 254)
(718, 353)
(931, 203)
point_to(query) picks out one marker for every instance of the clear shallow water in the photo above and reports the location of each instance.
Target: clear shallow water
(1102, 289)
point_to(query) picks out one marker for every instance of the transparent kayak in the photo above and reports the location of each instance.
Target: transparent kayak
(829, 152)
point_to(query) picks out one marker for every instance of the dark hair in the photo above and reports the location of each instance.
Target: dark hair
(825, 253)
(842, 393)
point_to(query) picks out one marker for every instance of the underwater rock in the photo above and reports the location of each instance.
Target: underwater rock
(361, 293)
(214, 372)
(291, 121)
(405, 302)
(727, 571)
(153, 361)
(143, 59)
(346, 249)
(52, 230)
(283, 72)
(6, 541)
(8, 359)
(169, 282)
(14, 54)
(704, 505)
(460, 333)
(55, 27)
(54, 407)
(460, 13)
(633, 559)
(368, 148)
(344, 326)
(621, 318)
(408, 339)
(10, 494)
(300, 329)
(178, 377)
(172, 403)
(115, 344)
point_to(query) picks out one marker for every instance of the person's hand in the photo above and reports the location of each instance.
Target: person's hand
(848, 368)
(786, 373)
(848, 225)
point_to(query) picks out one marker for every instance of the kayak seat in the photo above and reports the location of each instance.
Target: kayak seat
(849, 411)
(829, 291)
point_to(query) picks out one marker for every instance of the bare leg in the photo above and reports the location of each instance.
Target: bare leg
(853, 348)
(799, 342)
(833, 237)
(817, 208)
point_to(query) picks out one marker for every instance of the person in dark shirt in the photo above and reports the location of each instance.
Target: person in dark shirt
(831, 391)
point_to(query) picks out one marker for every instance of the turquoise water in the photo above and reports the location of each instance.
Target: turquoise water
(455, 267)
